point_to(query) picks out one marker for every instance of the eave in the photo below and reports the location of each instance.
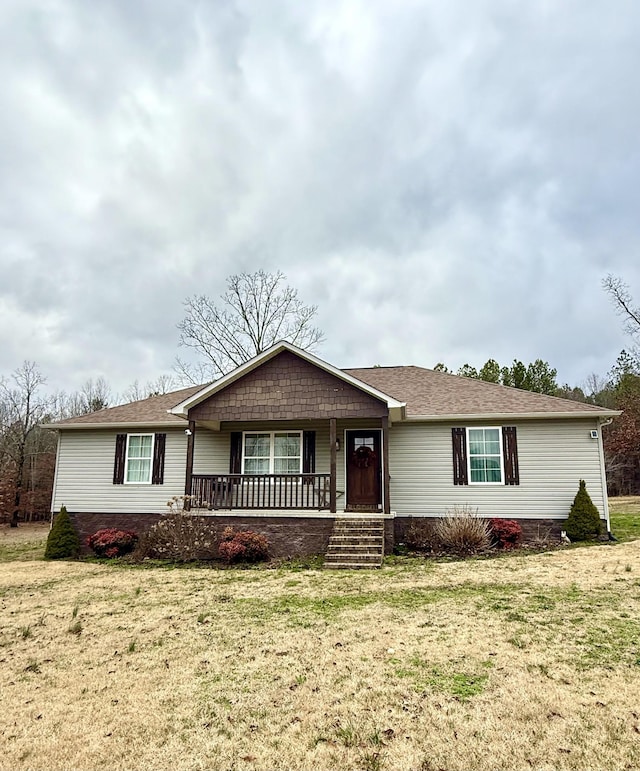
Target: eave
(127, 425)
(501, 416)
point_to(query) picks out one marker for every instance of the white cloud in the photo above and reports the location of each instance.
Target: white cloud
(447, 181)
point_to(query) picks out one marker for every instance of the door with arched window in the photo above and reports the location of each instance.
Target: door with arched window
(364, 470)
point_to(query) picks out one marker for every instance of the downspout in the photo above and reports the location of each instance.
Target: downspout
(55, 477)
(603, 473)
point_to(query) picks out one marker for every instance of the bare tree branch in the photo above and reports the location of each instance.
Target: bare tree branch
(257, 310)
(622, 300)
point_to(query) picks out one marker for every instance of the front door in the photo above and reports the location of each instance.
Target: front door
(364, 467)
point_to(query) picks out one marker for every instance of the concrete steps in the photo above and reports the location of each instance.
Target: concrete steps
(355, 543)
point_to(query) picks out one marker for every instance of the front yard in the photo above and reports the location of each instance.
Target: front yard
(527, 661)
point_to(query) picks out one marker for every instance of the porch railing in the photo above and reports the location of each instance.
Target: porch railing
(260, 491)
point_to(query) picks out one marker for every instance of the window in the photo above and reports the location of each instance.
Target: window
(272, 453)
(139, 458)
(485, 456)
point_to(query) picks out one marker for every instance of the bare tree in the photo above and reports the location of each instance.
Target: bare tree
(23, 409)
(623, 302)
(163, 384)
(257, 310)
(96, 394)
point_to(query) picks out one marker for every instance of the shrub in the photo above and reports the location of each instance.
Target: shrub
(462, 531)
(242, 546)
(583, 522)
(111, 542)
(419, 536)
(63, 541)
(507, 532)
(178, 536)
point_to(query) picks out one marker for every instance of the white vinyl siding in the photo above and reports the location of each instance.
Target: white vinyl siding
(84, 474)
(553, 455)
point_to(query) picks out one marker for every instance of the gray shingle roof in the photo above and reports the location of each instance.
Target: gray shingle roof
(427, 393)
(148, 411)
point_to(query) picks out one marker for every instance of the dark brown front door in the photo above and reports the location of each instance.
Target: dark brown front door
(364, 464)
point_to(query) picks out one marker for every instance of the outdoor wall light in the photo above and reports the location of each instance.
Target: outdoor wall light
(188, 431)
(337, 445)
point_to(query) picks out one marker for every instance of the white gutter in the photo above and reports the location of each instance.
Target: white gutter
(55, 480)
(603, 472)
(129, 424)
(509, 416)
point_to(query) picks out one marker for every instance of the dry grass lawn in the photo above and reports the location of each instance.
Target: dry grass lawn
(521, 662)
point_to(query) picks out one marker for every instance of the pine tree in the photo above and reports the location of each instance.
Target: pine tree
(583, 522)
(63, 541)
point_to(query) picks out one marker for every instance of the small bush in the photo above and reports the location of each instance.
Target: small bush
(242, 546)
(462, 531)
(111, 542)
(419, 536)
(506, 532)
(583, 522)
(63, 541)
(178, 536)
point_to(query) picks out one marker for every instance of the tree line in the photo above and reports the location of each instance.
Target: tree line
(28, 451)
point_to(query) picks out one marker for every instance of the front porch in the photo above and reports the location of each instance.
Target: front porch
(288, 432)
(261, 491)
(335, 466)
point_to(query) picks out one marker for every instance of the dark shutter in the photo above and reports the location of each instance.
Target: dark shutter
(459, 440)
(308, 455)
(235, 460)
(120, 459)
(510, 450)
(157, 474)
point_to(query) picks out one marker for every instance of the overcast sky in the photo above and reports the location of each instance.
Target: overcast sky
(448, 181)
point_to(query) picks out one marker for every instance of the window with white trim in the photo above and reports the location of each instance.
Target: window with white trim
(139, 459)
(274, 452)
(485, 456)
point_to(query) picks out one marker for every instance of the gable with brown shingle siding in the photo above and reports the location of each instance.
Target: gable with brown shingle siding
(287, 387)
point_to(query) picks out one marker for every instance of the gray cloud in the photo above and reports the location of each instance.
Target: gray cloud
(448, 182)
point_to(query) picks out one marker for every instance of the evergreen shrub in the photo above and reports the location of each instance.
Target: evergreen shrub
(63, 541)
(583, 522)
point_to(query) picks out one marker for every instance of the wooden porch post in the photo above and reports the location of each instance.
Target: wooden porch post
(333, 494)
(385, 462)
(191, 438)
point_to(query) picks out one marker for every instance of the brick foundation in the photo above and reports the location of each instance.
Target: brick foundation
(287, 536)
(291, 536)
(532, 529)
